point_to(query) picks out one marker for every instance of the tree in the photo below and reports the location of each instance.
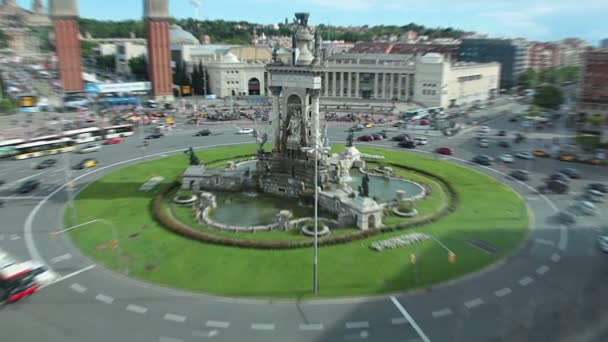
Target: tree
(107, 62)
(87, 49)
(548, 96)
(139, 67)
(528, 79)
(180, 76)
(533, 111)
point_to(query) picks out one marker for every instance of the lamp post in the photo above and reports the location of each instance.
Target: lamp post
(315, 286)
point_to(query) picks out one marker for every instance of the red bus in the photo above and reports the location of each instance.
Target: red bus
(16, 282)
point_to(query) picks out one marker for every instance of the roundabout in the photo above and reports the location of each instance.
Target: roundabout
(151, 251)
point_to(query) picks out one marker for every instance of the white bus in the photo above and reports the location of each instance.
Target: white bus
(84, 135)
(118, 131)
(44, 148)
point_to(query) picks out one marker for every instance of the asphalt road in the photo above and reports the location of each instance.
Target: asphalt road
(549, 290)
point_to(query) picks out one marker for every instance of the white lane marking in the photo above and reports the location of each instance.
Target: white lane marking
(442, 313)
(545, 242)
(10, 198)
(28, 225)
(360, 336)
(262, 326)
(169, 339)
(201, 333)
(555, 257)
(525, 281)
(78, 288)
(473, 303)
(399, 320)
(410, 319)
(542, 270)
(104, 299)
(357, 325)
(217, 324)
(14, 237)
(61, 258)
(174, 318)
(503, 292)
(137, 309)
(532, 198)
(563, 238)
(73, 274)
(311, 327)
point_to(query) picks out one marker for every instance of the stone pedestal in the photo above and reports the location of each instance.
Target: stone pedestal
(283, 218)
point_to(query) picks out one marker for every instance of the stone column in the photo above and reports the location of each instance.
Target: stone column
(64, 14)
(334, 88)
(375, 85)
(350, 84)
(391, 85)
(275, 118)
(383, 85)
(399, 81)
(326, 91)
(407, 87)
(357, 90)
(341, 84)
(314, 108)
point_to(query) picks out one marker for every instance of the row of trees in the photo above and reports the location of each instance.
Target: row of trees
(531, 79)
(197, 79)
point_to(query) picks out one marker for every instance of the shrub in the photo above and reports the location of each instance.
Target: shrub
(406, 206)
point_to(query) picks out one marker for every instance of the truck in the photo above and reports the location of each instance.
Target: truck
(17, 281)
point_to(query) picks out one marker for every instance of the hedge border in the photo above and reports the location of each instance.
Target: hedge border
(184, 230)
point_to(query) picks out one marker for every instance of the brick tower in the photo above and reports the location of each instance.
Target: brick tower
(64, 14)
(156, 16)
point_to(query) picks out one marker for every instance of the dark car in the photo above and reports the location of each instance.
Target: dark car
(513, 119)
(202, 133)
(46, 164)
(377, 136)
(570, 172)
(27, 186)
(401, 137)
(560, 177)
(504, 144)
(566, 218)
(156, 135)
(603, 188)
(521, 175)
(407, 144)
(382, 134)
(502, 133)
(483, 160)
(356, 128)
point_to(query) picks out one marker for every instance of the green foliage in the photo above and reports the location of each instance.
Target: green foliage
(548, 96)
(528, 79)
(42, 34)
(107, 62)
(6, 105)
(531, 79)
(179, 75)
(139, 67)
(111, 29)
(533, 110)
(596, 120)
(87, 48)
(406, 206)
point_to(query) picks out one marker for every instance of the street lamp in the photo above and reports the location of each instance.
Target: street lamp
(315, 277)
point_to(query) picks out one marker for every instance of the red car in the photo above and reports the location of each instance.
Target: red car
(113, 141)
(424, 122)
(365, 138)
(448, 151)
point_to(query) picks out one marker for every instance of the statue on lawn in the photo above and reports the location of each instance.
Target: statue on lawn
(194, 161)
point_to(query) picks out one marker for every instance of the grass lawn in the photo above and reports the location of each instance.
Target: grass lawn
(489, 211)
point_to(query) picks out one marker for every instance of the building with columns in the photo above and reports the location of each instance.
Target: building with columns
(430, 80)
(231, 77)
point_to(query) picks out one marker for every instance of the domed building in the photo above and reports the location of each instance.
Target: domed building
(179, 36)
(230, 76)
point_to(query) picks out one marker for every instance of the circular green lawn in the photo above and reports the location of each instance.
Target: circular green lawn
(488, 212)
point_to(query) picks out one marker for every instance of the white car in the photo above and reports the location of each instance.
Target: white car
(245, 131)
(602, 241)
(484, 143)
(507, 158)
(484, 129)
(420, 140)
(89, 148)
(525, 155)
(586, 208)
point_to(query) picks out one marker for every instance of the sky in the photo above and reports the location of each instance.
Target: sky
(543, 20)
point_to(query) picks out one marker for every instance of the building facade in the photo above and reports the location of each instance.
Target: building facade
(232, 77)
(543, 56)
(125, 51)
(592, 106)
(604, 43)
(512, 54)
(428, 80)
(571, 51)
(450, 51)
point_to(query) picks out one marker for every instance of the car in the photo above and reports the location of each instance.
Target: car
(521, 175)
(566, 218)
(86, 163)
(424, 122)
(383, 134)
(513, 119)
(369, 125)
(420, 140)
(27, 186)
(156, 135)
(407, 144)
(603, 188)
(366, 137)
(401, 137)
(502, 133)
(448, 151)
(113, 141)
(377, 136)
(586, 208)
(152, 104)
(245, 131)
(570, 172)
(541, 153)
(567, 157)
(355, 129)
(594, 196)
(46, 164)
(507, 158)
(89, 148)
(202, 133)
(484, 129)
(559, 177)
(524, 155)
(504, 144)
(602, 241)
(483, 160)
(484, 143)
